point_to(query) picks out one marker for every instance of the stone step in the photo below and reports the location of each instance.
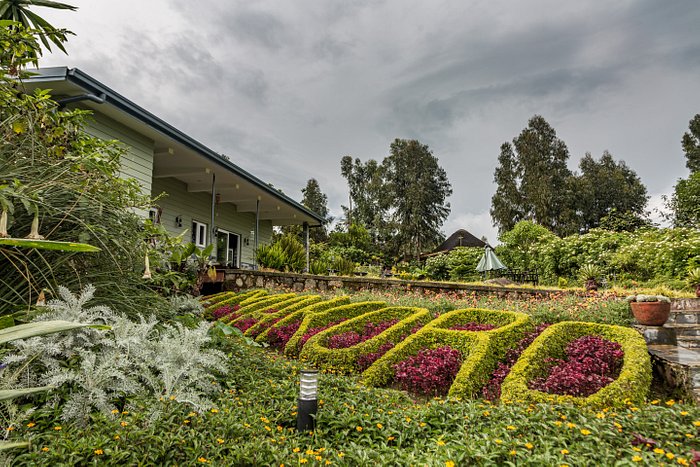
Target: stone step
(685, 304)
(679, 367)
(682, 330)
(689, 342)
(684, 317)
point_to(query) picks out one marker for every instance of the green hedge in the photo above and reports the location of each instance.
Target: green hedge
(632, 385)
(314, 320)
(303, 312)
(212, 299)
(283, 309)
(264, 303)
(345, 360)
(480, 350)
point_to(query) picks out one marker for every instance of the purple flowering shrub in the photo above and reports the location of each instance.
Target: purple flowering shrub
(264, 326)
(225, 311)
(245, 323)
(271, 310)
(366, 360)
(350, 338)
(590, 364)
(473, 327)
(313, 331)
(492, 390)
(431, 372)
(279, 336)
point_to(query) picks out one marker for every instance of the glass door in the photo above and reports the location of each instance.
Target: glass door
(227, 248)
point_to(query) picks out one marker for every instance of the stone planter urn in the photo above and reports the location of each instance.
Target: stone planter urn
(650, 310)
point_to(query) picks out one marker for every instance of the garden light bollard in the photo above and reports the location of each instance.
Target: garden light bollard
(307, 404)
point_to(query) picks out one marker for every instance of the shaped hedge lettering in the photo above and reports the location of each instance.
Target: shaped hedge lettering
(315, 320)
(300, 314)
(345, 360)
(283, 309)
(241, 299)
(265, 303)
(631, 385)
(481, 350)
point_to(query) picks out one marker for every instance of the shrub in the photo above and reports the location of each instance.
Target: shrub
(303, 312)
(334, 315)
(242, 299)
(225, 312)
(271, 316)
(473, 327)
(480, 350)
(366, 360)
(278, 336)
(387, 330)
(632, 384)
(430, 372)
(244, 323)
(264, 302)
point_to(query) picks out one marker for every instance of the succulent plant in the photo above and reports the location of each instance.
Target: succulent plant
(648, 298)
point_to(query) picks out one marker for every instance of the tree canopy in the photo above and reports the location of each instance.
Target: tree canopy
(685, 201)
(691, 145)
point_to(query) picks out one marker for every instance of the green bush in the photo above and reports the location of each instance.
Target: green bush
(632, 385)
(313, 320)
(345, 360)
(264, 303)
(308, 310)
(459, 264)
(480, 350)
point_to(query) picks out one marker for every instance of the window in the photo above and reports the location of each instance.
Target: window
(199, 234)
(154, 215)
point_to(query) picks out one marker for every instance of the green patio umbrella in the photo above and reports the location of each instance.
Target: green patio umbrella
(489, 261)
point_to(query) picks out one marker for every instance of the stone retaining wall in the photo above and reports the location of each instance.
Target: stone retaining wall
(239, 279)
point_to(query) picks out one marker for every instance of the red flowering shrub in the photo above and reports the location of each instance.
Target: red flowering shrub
(313, 331)
(225, 311)
(264, 326)
(366, 360)
(590, 364)
(430, 372)
(271, 310)
(473, 327)
(278, 337)
(245, 324)
(492, 390)
(350, 338)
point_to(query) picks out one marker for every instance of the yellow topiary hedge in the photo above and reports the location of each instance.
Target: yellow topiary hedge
(481, 350)
(345, 360)
(283, 309)
(241, 298)
(632, 385)
(314, 320)
(303, 312)
(264, 303)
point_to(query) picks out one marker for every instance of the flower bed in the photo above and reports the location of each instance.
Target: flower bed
(278, 336)
(225, 312)
(266, 303)
(272, 316)
(474, 327)
(242, 299)
(631, 385)
(316, 320)
(321, 353)
(430, 373)
(480, 350)
(300, 314)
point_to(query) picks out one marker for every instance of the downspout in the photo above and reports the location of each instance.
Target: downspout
(212, 234)
(306, 232)
(257, 227)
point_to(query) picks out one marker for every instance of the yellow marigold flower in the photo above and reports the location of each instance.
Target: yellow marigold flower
(617, 425)
(310, 452)
(359, 428)
(510, 428)
(328, 462)
(318, 458)
(529, 445)
(10, 428)
(45, 449)
(564, 451)
(557, 423)
(670, 456)
(600, 415)
(684, 413)
(303, 460)
(391, 438)
(421, 424)
(126, 423)
(682, 461)
(296, 450)
(486, 413)
(449, 464)
(341, 454)
(636, 449)
(125, 412)
(186, 422)
(219, 440)
(654, 402)
(585, 432)
(670, 402)
(689, 436)
(214, 410)
(659, 451)
(497, 441)
(203, 460)
(512, 452)
(408, 419)
(115, 411)
(563, 417)
(636, 459)
(172, 398)
(380, 426)
(268, 428)
(31, 425)
(98, 452)
(696, 423)
(57, 428)
(440, 442)
(571, 425)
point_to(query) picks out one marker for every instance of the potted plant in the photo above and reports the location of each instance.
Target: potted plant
(589, 274)
(693, 280)
(650, 310)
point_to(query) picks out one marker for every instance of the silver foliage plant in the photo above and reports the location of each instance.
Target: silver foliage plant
(134, 357)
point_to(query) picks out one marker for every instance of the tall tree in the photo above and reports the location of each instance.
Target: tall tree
(534, 182)
(418, 188)
(369, 203)
(606, 188)
(317, 201)
(691, 145)
(18, 11)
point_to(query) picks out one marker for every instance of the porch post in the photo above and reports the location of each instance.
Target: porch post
(306, 233)
(257, 227)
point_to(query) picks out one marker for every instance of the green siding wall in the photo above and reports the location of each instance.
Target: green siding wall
(137, 162)
(197, 206)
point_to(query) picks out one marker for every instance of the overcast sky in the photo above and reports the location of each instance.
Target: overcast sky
(286, 88)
